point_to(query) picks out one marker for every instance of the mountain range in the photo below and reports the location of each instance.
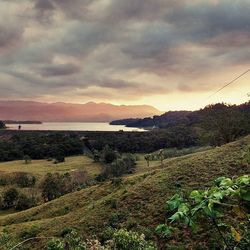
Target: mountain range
(69, 112)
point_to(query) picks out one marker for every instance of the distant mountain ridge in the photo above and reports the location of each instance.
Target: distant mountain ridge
(69, 112)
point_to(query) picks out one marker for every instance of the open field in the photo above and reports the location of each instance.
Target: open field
(139, 199)
(39, 168)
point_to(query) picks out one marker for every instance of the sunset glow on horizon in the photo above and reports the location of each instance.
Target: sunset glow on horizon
(169, 54)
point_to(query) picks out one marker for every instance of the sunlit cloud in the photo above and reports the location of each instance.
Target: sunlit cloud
(159, 52)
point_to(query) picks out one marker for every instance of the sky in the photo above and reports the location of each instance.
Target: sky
(172, 54)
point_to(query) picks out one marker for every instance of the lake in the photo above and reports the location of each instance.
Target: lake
(73, 126)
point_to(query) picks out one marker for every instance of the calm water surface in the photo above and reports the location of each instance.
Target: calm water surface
(73, 126)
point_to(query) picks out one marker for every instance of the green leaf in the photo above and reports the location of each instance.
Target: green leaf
(183, 208)
(164, 230)
(174, 202)
(227, 182)
(196, 195)
(245, 194)
(243, 180)
(218, 195)
(175, 217)
(219, 180)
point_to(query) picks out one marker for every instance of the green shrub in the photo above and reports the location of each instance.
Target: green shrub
(55, 185)
(107, 234)
(55, 244)
(4, 180)
(74, 241)
(7, 241)
(24, 179)
(117, 181)
(29, 233)
(59, 158)
(229, 197)
(112, 202)
(10, 198)
(117, 218)
(25, 202)
(128, 240)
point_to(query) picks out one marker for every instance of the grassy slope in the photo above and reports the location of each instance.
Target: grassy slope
(140, 199)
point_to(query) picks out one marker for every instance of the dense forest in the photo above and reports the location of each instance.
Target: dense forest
(216, 124)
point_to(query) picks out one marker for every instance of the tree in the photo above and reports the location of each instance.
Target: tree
(2, 125)
(96, 156)
(108, 155)
(223, 122)
(27, 159)
(161, 156)
(147, 159)
(10, 198)
(122, 165)
(51, 187)
(55, 185)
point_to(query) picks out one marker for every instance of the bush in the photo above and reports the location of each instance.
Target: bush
(25, 202)
(55, 185)
(55, 244)
(117, 181)
(6, 240)
(123, 165)
(24, 180)
(3, 181)
(51, 187)
(128, 240)
(10, 198)
(59, 158)
(29, 232)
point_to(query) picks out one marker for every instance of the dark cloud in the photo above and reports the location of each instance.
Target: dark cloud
(72, 9)
(59, 70)
(9, 35)
(44, 5)
(121, 47)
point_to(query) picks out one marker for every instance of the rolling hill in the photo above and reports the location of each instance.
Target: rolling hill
(139, 199)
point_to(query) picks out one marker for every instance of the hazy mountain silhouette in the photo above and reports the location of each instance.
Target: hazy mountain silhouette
(68, 112)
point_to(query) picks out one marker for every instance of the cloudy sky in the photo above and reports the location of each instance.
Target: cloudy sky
(168, 53)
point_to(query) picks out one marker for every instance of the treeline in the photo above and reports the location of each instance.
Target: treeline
(43, 145)
(143, 142)
(40, 146)
(215, 124)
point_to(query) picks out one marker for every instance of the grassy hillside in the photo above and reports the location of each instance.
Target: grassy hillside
(138, 203)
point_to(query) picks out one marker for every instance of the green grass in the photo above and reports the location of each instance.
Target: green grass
(140, 199)
(39, 168)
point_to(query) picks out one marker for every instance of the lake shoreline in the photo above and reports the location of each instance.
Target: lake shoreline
(73, 126)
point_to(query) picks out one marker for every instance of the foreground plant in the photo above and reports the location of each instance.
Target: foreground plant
(225, 205)
(121, 239)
